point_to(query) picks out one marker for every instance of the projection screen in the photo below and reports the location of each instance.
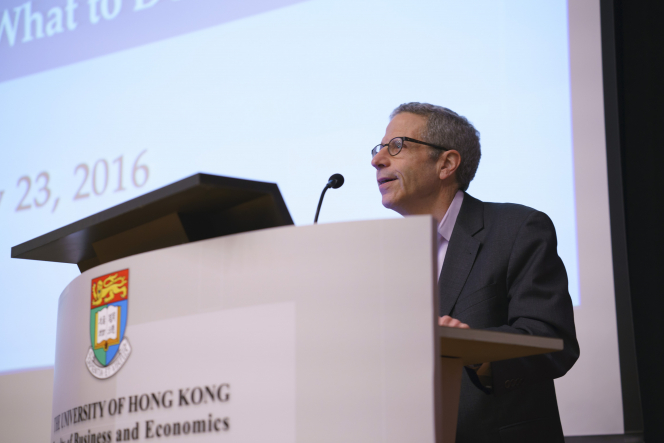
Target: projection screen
(105, 100)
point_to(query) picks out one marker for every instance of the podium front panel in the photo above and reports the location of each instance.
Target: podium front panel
(321, 333)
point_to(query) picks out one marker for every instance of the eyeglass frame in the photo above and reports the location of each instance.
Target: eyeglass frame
(404, 139)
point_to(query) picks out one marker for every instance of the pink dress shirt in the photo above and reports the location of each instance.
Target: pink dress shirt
(446, 227)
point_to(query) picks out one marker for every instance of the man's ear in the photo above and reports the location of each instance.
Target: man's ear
(448, 163)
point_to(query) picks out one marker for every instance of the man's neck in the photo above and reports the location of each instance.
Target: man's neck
(443, 204)
(436, 207)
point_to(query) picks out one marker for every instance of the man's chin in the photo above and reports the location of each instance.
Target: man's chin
(389, 203)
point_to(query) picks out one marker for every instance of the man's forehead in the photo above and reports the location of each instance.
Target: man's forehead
(405, 124)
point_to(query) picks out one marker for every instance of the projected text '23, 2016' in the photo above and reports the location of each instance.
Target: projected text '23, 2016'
(91, 180)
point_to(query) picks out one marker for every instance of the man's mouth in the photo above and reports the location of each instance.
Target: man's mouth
(384, 180)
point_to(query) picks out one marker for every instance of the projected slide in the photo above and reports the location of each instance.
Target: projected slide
(104, 100)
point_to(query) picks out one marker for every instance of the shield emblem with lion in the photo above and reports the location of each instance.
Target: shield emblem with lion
(108, 314)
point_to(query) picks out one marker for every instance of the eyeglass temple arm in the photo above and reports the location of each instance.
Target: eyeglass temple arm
(408, 139)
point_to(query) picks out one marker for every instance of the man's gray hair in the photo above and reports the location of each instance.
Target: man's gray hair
(448, 129)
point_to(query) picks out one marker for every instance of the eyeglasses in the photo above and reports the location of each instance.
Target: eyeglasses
(394, 146)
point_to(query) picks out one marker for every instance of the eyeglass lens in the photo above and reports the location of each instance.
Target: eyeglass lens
(393, 147)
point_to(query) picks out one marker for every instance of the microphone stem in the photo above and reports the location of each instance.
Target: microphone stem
(320, 202)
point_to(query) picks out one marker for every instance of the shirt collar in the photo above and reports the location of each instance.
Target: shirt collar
(449, 220)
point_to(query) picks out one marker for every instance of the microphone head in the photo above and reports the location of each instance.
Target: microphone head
(336, 180)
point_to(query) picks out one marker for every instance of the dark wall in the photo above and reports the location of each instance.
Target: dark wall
(634, 101)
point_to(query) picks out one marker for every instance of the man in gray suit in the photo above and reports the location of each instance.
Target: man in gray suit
(499, 270)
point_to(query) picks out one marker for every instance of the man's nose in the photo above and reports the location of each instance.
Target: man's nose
(381, 159)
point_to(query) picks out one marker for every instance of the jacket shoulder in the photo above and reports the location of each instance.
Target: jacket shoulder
(502, 214)
(491, 209)
(508, 210)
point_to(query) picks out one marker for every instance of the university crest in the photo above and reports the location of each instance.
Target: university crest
(109, 301)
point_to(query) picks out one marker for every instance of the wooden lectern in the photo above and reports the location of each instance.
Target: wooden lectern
(200, 311)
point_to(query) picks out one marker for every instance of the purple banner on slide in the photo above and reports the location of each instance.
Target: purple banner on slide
(45, 34)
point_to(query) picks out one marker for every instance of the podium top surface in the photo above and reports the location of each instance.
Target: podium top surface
(198, 207)
(474, 346)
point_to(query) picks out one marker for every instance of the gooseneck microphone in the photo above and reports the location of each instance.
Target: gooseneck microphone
(335, 181)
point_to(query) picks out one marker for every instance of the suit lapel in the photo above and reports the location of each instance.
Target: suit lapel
(461, 253)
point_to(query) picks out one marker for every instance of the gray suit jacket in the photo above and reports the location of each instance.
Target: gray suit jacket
(502, 273)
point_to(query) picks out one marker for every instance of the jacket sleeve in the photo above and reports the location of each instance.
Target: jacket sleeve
(538, 304)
